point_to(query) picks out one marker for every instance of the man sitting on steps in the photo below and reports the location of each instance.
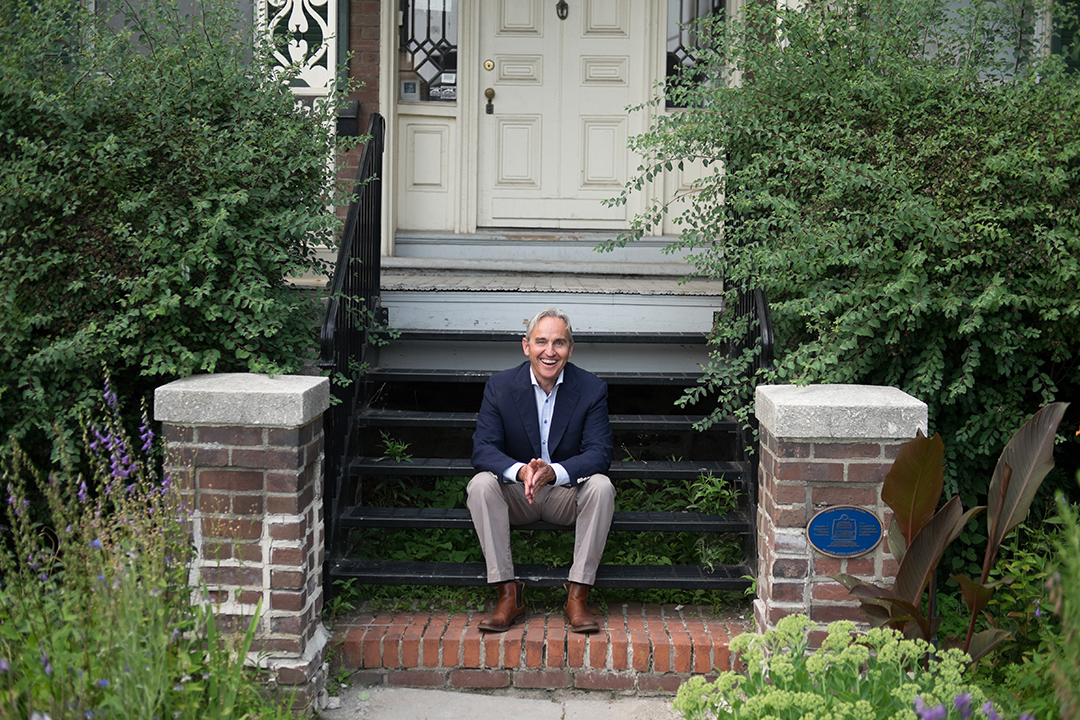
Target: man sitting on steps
(541, 448)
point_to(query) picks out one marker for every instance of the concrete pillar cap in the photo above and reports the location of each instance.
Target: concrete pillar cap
(839, 412)
(244, 399)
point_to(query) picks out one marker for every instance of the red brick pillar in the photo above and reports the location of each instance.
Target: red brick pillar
(822, 446)
(248, 452)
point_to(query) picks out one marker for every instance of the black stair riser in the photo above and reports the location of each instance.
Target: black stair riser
(641, 423)
(459, 519)
(679, 379)
(460, 467)
(682, 577)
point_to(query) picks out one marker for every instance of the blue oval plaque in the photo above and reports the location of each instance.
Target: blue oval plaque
(844, 531)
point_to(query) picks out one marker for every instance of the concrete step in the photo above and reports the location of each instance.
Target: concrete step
(548, 246)
(640, 648)
(496, 281)
(469, 307)
(596, 267)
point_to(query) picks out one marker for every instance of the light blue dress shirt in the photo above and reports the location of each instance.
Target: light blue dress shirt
(545, 408)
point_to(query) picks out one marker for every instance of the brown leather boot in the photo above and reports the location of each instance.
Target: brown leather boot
(577, 609)
(509, 610)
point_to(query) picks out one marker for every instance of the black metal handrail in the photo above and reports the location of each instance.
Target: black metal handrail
(753, 305)
(352, 306)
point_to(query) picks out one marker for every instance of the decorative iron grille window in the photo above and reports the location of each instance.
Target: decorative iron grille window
(427, 61)
(303, 35)
(682, 41)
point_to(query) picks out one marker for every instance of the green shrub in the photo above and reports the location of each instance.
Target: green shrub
(876, 675)
(156, 190)
(900, 178)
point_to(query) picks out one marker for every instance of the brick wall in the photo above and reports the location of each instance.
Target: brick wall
(823, 446)
(363, 43)
(247, 451)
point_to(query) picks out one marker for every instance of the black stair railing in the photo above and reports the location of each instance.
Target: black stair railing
(352, 306)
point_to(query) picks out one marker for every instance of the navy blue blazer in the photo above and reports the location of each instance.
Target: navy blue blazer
(508, 429)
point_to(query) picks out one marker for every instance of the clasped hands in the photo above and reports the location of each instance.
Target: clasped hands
(535, 475)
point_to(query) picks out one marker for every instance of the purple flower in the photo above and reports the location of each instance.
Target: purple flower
(110, 396)
(938, 712)
(103, 683)
(146, 434)
(95, 543)
(4, 667)
(1038, 607)
(82, 492)
(963, 705)
(990, 712)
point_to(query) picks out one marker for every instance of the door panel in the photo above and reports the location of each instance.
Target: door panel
(517, 141)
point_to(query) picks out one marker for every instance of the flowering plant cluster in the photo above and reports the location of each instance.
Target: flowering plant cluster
(862, 677)
(97, 619)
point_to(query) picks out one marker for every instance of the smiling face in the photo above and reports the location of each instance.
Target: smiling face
(548, 349)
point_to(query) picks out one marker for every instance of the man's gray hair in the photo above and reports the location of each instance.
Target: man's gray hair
(549, 312)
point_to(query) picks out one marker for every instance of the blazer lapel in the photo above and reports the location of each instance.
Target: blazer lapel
(565, 401)
(525, 402)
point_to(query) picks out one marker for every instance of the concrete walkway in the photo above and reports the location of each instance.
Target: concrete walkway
(390, 703)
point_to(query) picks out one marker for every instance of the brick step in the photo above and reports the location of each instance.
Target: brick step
(643, 648)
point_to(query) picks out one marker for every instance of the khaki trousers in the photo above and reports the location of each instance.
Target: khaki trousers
(496, 506)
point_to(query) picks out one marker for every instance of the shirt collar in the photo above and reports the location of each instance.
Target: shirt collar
(558, 380)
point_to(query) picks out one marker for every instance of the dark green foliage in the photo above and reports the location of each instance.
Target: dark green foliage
(156, 190)
(548, 547)
(902, 180)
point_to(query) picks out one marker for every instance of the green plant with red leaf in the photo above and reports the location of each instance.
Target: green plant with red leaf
(919, 531)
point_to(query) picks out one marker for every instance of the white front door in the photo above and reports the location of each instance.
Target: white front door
(554, 146)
